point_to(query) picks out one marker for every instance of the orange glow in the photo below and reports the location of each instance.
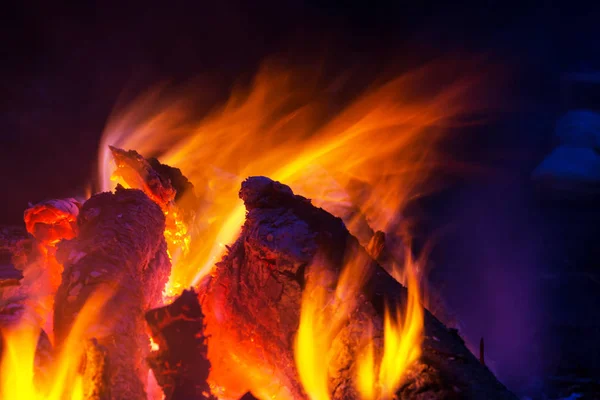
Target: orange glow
(402, 337)
(65, 381)
(281, 127)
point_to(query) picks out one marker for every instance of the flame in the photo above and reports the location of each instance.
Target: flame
(17, 368)
(323, 313)
(402, 335)
(365, 161)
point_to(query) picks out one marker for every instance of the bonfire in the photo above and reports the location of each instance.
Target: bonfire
(257, 253)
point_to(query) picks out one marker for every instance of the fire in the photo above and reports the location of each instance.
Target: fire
(367, 160)
(322, 315)
(17, 368)
(401, 346)
(362, 161)
(324, 312)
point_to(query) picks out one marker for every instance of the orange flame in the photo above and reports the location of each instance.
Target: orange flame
(401, 346)
(65, 382)
(281, 128)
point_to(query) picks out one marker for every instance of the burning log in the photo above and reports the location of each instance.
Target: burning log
(253, 301)
(166, 185)
(120, 245)
(180, 364)
(137, 172)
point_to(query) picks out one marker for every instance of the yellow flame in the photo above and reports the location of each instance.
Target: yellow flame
(281, 127)
(322, 315)
(312, 344)
(153, 345)
(17, 367)
(366, 381)
(402, 336)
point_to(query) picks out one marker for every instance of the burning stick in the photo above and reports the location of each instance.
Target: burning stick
(253, 304)
(180, 365)
(120, 244)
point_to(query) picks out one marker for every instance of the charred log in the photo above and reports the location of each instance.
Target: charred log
(185, 196)
(120, 245)
(258, 285)
(162, 183)
(137, 172)
(180, 364)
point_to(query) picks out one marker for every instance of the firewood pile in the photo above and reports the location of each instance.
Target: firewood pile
(233, 335)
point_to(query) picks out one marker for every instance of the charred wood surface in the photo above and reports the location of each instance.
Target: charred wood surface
(120, 245)
(162, 183)
(185, 195)
(180, 364)
(137, 172)
(253, 298)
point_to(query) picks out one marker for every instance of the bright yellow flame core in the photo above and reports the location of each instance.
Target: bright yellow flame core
(323, 314)
(402, 336)
(17, 379)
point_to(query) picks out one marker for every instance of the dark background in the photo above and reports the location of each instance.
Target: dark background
(518, 269)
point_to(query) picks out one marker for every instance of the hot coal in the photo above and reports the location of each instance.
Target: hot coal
(51, 221)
